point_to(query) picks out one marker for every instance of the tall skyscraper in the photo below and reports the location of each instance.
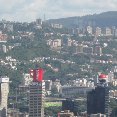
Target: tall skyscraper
(98, 99)
(4, 90)
(37, 94)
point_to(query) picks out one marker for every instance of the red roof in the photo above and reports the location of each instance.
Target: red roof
(101, 76)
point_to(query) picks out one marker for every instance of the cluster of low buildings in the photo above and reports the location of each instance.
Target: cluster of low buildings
(9, 62)
(107, 31)
(72, 88)
(79, 48)
(96, 31)
(67, 113)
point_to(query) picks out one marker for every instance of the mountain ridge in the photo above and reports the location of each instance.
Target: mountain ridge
(104, 19)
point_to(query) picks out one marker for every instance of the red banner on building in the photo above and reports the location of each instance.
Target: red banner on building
(37, 74)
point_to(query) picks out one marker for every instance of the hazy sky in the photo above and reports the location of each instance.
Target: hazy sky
(29, 10)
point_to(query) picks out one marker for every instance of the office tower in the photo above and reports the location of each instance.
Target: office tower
(48, 85)
(4, 90)
(39, 21)
(37, 94)
(98, 31)
(89, 29)
(4, 48)
(70, 104)
(113, 30)
(108, 31)
(110, 76)
(98, 99)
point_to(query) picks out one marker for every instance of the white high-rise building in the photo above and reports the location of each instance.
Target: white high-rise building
(89, 29)
(110, 76)
(4, 48)
(26, 79)
(98, 31)
(4, 90)
(108, 31)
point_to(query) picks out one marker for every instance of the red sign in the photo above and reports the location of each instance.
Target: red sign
(37, 75)
(40, 74)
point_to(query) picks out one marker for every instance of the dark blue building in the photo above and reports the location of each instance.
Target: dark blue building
(98, 99)
(70, 104)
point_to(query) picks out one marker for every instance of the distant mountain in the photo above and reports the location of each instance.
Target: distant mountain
(105, 19)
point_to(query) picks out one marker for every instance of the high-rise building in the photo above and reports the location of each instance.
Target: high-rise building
(69, 42)
(37, 94)
(115, 32)
(89, 29)
(39, 21)
(4, 48)
(98, 31)
(4, 90)
(98, 99)
(26, 79)
(70, 104)
(108, 31)
(48, 85)
(110, 76)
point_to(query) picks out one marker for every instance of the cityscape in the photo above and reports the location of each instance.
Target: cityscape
(58, 58)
